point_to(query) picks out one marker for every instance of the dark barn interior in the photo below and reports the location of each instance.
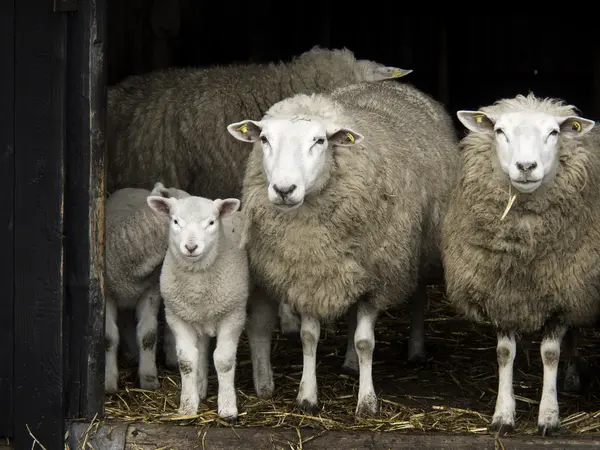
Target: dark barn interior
(465, 63)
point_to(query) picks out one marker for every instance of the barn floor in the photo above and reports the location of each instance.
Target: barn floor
(453, 393)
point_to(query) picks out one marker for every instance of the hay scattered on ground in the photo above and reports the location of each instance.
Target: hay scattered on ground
(453, 393)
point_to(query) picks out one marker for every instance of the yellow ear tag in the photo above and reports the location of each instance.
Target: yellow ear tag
(511, 200)
(577, 126)
(350, 137)
(478, 118)
(397, 73)
(243, 128)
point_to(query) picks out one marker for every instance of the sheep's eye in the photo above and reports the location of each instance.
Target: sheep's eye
(499, 132)
(320, 141)
(263, 139)
(176, 222)
(554, 133)
(212, 222)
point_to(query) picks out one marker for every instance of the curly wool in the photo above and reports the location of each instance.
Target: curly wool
(374, 227)
(171, 124)
(542, 261)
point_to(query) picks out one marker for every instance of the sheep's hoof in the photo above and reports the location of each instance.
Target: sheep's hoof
(368, 407)
(308, 407)
(350, 371)
(572, 381)
(149, 382)
(501, 428)
(547, 429)
(111, 388)
(417, 358)
(231, 420)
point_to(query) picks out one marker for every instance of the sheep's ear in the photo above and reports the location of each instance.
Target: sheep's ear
(572, 126)
(227, 207)
(246, 130)
(476, 121)
(160, 189)
(160, 204)
(343, 136)
(388, 73)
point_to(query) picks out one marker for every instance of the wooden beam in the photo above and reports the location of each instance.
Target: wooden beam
(7, 179)
(40, 85)
(118, 436)
(84, 209)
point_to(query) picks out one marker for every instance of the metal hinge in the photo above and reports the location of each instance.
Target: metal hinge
(65, 5)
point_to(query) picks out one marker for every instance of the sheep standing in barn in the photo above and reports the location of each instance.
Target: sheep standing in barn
(344, 195)
(521, 240)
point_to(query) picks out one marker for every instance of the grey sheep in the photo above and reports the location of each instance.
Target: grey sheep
(344, 196)
(521, 240)
(170, 124)
(136, 243)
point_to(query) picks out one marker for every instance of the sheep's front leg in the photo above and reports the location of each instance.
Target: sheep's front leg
(146, 333)
(364, 341)
(572, 381)
(548, 418)
(310, 330)
(350, 366)
(111, 368)
(186, 339)
(203, 347)
(228, 336)
(416, 342)
(262, 318)
(504, 415)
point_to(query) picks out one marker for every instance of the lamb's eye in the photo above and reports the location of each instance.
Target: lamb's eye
(499, 132)
(176, 222)
(263, 139)
(320, 141)
(212, 222)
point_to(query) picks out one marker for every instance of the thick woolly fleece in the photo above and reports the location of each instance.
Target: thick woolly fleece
(171, 124)
(542, 261)
(375, 226)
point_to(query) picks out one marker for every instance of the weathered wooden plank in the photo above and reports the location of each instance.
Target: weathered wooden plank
(84, 209)
(40, 83)
(7, 178)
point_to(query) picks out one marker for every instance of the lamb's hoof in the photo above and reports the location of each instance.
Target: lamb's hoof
(572, 381)
(149, 382)
(188, 409)
(265, 391)
(230, 418)
(501, 428)
(368, 407)
(419, 358)
(111, 388)
(548, 430)
(308, 407)
(350, 371)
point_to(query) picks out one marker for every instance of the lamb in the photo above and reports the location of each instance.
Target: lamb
(205, 285)
(344, 195)
(136, 242)
(171, 123)
(534, 268)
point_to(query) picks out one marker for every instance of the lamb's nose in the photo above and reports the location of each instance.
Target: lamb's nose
(191, 248)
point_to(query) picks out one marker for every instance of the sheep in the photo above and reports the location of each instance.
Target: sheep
(170, 123)
(344, 195)
(205, 285)
(534, 266)
(136, 242)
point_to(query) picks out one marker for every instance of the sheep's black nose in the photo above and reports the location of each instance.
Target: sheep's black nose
(285, 190)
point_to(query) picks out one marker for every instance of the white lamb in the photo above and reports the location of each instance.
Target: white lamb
(136, 242)
(205, 286)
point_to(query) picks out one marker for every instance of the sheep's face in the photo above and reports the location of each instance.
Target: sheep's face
(526, 142)
(195, 222)
(296, 154)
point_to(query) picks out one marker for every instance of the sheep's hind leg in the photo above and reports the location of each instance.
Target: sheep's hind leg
(111, 368)
(310, 330)
(364, 341)
(416, 342)
(262, 318)
(504, 415)
(146, 333)
(548, 417)
(350, 366)
(572, 382)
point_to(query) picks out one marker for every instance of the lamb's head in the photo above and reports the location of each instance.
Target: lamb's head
(296, 154)
(196, 223)
(527, 142)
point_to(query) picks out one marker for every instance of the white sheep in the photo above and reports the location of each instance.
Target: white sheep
(521, 240)
(136, 242)
(344, 195)
(205, 286)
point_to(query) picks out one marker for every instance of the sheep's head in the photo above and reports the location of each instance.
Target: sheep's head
(527, 142)
(297, 154)
(195, 223)
(367, 70)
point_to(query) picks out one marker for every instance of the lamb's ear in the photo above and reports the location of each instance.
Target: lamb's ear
(572, 126)
(388, 73)
(160, 204)
(246, 130)
(476, 121)
(227, 207)
(160, 189)
(343, 136)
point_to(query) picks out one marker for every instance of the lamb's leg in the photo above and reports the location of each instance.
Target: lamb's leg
(364, 340)
(228, 336)
(290, 323)
(310, 330)
(111, 368)
(262, 318)
(548, 418)
(203, 347)
(350, 366)
(504, 415)
(169, 348)
(186, 340)
(146, 332)
(416, 342)
(572, 381)
(128, 346)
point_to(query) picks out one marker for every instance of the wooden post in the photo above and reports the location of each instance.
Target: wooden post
(84, 209)
(40, 86)
(7, 172)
